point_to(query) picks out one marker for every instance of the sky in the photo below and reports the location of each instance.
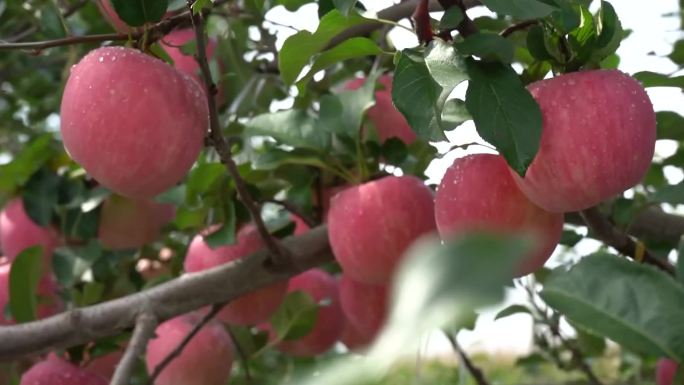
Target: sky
(653, 34)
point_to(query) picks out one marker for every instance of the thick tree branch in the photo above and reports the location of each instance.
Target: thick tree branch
(187, 293)
(606, 232)
(144, 331)
(280, 256)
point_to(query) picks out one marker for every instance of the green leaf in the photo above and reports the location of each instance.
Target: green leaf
(670, 125)
(92, 293)
(455, 113)
(40, 196)
(199, 5)
(296, 316)
(421, 86)
(342, 113)
(394, 151)
(348, 49)
(680, 261)
(673, 194)
(203, 176)
(344, 6)
(161, 53)
(610, 32)
(224, 235)
(504, 112)
(139, 12)
(536, 44)
(653, 79)
(452, 18)
(590, 344)
(510, 310)
(25, 274)
(302, 46)
(293, 127)
(293, 5)
(639, 307)
(274, 158)
(570, 238)
(677, 54)
(26, 163)
(521, 9)
(487, 46)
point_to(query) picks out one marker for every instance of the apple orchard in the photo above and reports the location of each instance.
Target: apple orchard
(165, 220)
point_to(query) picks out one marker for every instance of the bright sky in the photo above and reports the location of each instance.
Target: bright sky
(652, 37)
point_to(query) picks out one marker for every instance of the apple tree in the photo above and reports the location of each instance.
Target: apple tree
(193, 193)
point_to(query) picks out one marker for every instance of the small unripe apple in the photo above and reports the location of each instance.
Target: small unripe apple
(364, 305)
(131, 223)
(478, 193)
(598, 138)
(666, 370)
(371, 225)
(206, 360)
(322, 287)
(133, 122)
(56, 371)
(48, 301)
(251, 308)
(18, 232)
(388, 121)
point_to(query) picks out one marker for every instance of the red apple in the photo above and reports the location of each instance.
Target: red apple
(300, 226)
(666, 371)
(19, 232)
(597, 140)
(206, 360)
(322, 287)
(365, 306)
(371, 225)
(133, 122)
(478, 193)
(131, 223)
(48, 301)
(105, 365)
(388, 121)
(251, 308)
(172, 44)
(56, 371)
(353, 339)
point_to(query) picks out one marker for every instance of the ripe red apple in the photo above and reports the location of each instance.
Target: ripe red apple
(478, 193)
(371, 225)
(57, 371)
(353, 339)
(131, 223)
(133, 122)
(300, 226)
(206, 360)
(19, 232)
(365, 306)
(49, 303)
(172, 44)
(322, 287)
(597, 140)
(666, 370)
(388, 121)
(105, 365)
(251, 308)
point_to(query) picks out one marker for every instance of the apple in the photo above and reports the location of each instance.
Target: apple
(666, 369)
(251, 308)
(133, 122)
(172, 44)
(365, 306)
(300, 226)
(19, 232)
(598, 138)
(371, 225)
(105, 365)
(108, 11)
(388, 121)
(56, 371)
(322, 287)
(353, 339)
(48, 301)
(478, 193)
(131, 223)
(206, 360)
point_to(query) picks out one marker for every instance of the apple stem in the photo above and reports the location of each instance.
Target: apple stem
(145, 325)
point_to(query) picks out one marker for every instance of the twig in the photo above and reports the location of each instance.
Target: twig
(241, 354)
(144, 330)
(474, 371)
(606, 232)
(292, 208)
(279, 255)
(176, 352)
(517, 27)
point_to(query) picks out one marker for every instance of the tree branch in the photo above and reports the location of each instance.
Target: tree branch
(144, 331)
(474, 371)
(181, 295)
(606, 232)
(280, 256)
(517, 27)
(176, 352)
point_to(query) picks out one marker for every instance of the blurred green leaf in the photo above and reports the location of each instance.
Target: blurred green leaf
(504, 112)
(25, 275)
(639, 307)
(26, 163)
(225, 234)
(654, 79)
(670, 125)
(487, 46)
(296, 316)
(342, 113)
(139, 12)
(451, 18)
(293, 127)
(673, 194)
(344, 6)
(40, 196)
(521, 9)
(510, 310)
